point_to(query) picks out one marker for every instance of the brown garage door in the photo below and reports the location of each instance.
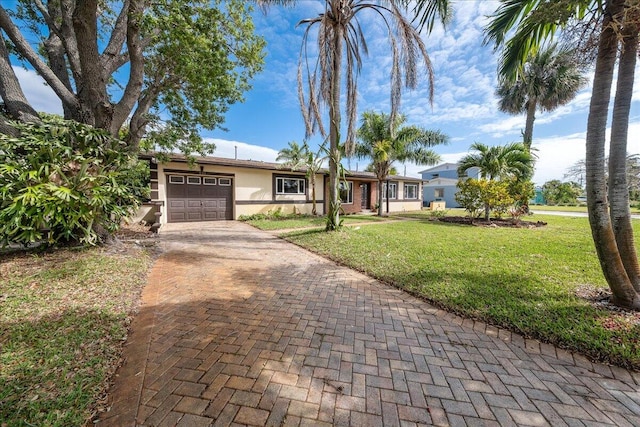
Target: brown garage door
(199, 198)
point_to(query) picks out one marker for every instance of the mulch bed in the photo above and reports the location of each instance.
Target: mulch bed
(493, 222)
(135, 232)
(619, 318)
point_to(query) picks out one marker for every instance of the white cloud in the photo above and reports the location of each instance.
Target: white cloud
(227, 149)
(38, 93)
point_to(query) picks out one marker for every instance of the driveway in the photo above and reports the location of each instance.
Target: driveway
(238, 327)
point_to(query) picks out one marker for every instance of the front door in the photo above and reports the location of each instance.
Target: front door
(365, 198)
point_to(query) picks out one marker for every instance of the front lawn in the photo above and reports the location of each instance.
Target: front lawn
(306, 221)
(64, 316)
(581, 208)
(521, 279)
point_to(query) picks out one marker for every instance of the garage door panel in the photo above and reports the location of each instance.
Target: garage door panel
(193, 202)
(194, 215)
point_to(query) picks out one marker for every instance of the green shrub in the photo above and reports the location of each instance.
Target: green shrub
(63, 181)
(476, 194)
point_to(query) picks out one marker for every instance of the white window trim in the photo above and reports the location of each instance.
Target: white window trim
(225, 182)
(205, 178)
(189, 178)
(349, 193)
(384, 191)
(415, 193)
(171, 177)
(435, 193)
(283, 193)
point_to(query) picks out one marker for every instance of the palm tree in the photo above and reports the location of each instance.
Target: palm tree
(497, 162)
(550, 78)
(385, 140)
(618, 189)
(536, 21)
(301, 157)
(293, 156)
(340, 46)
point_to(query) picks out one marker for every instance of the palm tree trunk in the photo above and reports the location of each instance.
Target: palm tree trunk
(601, 228)
(528, 127)
(313, 193)
(333, 215)
(618, 188)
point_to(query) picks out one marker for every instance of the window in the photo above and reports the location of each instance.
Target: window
(176, 179)
(393, 190)
(346, 192)
(439, 193)
(195, 180)
(209, 181)
(226, 182)
(411, 191)
(290, 185)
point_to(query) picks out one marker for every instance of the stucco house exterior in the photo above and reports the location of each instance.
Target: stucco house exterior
(215, 188)
(440, 183)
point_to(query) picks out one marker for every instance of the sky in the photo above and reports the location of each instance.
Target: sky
(464, 105)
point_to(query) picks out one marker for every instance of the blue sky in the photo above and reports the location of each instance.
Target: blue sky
(464, 106)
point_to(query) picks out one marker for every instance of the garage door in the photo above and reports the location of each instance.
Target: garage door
(199, 198)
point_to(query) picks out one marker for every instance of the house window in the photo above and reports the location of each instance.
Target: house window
(346, 193)
(224, 182)
(393, 190)
(195, 180)
(209, 181)
(411, 191)
(439, 193)
(290, 185)
(176, 179)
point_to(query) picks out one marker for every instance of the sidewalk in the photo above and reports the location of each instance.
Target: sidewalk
(239, 327)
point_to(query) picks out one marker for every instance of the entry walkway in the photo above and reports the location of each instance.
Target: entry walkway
(239, 327)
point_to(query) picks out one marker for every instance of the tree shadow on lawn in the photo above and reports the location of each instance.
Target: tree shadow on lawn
(55, 367)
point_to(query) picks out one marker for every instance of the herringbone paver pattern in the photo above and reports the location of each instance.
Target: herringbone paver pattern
(240, 328)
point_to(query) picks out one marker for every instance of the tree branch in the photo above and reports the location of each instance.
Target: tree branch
(111, 53)
(30, 55)
(11, 93)
(136, 69)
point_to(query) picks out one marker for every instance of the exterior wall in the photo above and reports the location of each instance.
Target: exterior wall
(356, 206)
(444, 176)
(253, 189)
(400, 204)
(449, 188)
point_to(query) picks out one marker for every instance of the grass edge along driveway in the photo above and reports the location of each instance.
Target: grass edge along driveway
(524, 280)
(64, 317)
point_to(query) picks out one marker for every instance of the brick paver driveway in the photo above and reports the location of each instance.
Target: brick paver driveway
(240, 328)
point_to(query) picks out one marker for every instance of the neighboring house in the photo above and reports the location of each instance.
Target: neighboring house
(214, 188)
(441, 183)
(538, 198)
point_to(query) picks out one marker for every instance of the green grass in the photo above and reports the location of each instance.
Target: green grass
(581, 208)
(63, 321)
(520, 279)
(308, 221)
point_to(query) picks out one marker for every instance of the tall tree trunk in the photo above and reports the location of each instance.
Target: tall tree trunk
(92, 88)
(618, 186)
(312, 178)
(333, 215)
(527, 136)
(601, 228)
